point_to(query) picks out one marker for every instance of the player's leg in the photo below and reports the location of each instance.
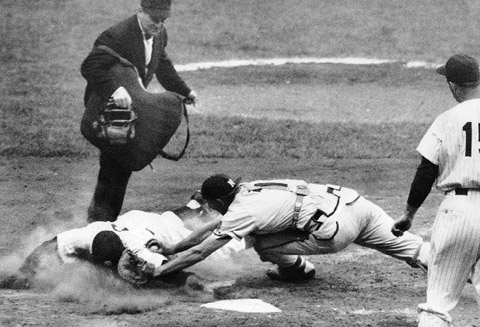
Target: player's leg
(476, 278)
(285, 248)
(455, 243)
(43, 258)
(110, 190)
(290, 267)
(300, 242)
(377, 235)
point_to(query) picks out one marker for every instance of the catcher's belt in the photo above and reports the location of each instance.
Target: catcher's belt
(115, 125)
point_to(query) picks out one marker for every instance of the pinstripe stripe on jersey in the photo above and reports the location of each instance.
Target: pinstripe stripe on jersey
(453, 142)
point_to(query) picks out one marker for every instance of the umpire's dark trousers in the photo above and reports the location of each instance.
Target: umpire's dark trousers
(110, 190)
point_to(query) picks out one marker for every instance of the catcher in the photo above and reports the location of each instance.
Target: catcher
(285, 219)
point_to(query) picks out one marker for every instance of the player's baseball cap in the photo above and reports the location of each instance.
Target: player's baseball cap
(219, 186)
(107, 248)
(460, 69)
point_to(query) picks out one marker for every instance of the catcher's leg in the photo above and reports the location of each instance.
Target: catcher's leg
(291, 267)
(376, 234)
(110, 190)
(285, 248)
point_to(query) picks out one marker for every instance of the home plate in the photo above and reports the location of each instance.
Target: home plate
(243, 305)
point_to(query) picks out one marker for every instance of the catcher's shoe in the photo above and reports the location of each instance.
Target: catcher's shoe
(302, 270)
(418, 264)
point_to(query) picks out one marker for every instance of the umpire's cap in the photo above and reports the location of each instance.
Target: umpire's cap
(107, 248)
(156, 4)
(219, 186)
(461, 69)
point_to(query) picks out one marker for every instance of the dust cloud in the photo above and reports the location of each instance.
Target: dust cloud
(103, 292)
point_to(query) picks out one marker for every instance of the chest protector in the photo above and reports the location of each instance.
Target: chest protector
(133, 137)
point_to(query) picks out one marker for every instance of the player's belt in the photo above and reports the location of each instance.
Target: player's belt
(459, 191)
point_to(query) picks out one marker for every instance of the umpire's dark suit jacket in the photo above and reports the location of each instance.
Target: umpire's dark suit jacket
(126, 39)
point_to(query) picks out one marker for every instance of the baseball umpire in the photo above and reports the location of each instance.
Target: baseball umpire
(284, 219)
(451, 156)
(141, 40)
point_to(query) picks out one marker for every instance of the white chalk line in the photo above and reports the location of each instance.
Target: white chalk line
(364, 312)
(284, 61)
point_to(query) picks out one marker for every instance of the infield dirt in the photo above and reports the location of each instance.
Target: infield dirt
(357, 287)
(42, 46)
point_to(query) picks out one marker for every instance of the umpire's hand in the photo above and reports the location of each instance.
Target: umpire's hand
(401, 225)
(122, 98)
(192, 98)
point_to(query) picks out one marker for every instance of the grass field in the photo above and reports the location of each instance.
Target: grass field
(44, 42)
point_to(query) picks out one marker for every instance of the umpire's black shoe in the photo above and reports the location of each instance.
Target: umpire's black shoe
(302, 270)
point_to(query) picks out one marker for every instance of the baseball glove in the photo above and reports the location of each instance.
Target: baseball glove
(134, 269)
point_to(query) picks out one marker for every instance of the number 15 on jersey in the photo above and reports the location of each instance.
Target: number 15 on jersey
(467, 128)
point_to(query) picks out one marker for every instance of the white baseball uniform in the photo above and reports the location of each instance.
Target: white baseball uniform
(453, 143)
(75, 243)
(334, 216)
(169, 229)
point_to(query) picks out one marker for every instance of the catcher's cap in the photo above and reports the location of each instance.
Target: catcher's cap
(164, 5)
(107, 248)
(461, 69)
(219, 186)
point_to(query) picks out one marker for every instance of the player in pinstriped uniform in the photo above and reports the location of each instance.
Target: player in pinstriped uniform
(451, 155)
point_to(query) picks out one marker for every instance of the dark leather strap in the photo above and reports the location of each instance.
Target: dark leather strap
(187, 138)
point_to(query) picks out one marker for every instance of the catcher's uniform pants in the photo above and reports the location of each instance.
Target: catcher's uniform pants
(110, 190)
(361, 222)
(455, 254)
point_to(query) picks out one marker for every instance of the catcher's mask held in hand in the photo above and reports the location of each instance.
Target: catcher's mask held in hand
(115, 124)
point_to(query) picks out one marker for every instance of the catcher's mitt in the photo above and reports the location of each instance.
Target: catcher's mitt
(134, 269)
